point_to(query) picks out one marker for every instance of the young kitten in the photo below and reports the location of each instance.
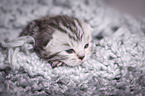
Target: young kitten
(61, 39)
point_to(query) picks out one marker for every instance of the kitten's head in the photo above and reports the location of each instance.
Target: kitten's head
(71, 42)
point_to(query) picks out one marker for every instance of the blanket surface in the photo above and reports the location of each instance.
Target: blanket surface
(116, 67)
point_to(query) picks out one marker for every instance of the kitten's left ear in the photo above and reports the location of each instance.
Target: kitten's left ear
(87, 28)
(91, 29)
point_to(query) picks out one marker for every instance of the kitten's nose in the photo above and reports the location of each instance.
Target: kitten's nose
(81, 57)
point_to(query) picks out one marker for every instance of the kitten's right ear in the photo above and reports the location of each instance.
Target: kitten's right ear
(30, 29)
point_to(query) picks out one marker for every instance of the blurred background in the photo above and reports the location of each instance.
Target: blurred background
(135, 8)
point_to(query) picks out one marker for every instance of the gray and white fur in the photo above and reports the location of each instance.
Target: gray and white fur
(62, 40)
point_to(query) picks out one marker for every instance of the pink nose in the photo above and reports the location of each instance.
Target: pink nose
(81, 57)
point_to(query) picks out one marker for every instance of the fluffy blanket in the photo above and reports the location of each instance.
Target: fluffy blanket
(116, 66)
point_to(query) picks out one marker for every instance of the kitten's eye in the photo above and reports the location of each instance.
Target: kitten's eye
(86, 46)
(69, 51)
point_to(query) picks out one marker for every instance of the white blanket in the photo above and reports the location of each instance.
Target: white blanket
(116, 66)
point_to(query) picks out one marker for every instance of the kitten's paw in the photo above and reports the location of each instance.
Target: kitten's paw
(57, 63)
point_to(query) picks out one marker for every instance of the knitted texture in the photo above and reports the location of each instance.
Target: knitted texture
(116, 66)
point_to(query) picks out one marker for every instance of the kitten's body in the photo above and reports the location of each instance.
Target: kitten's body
(61, 39)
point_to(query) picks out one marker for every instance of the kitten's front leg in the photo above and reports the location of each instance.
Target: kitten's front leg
(57, 63)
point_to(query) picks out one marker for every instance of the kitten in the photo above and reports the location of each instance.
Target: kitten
(61, 39)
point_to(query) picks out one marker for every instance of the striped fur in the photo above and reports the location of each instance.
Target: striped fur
(54, 35)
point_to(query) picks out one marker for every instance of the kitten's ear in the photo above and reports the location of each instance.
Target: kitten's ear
(87, 27)
(91, 29)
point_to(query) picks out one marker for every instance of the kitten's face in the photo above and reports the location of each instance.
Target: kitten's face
(71, 48)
